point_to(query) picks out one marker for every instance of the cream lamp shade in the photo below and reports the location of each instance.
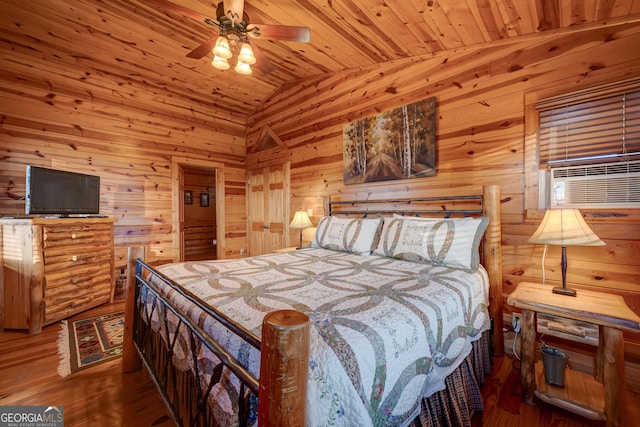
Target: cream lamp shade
(564, 227)
(301, 220)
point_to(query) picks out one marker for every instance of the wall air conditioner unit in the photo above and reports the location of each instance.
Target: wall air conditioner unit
(606, 185)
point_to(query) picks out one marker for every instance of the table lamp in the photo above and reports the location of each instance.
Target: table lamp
(564, 227)
(301, 220)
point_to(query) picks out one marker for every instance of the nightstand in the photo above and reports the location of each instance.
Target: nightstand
(598, 398)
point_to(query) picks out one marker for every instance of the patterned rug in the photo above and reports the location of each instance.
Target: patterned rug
(87, 342)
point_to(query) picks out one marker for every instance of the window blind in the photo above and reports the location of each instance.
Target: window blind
(597, 125)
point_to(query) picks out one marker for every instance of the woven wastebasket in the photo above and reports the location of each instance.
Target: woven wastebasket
(555, 362)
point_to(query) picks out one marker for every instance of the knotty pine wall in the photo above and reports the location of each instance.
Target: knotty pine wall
(50, 118)
(481, 139)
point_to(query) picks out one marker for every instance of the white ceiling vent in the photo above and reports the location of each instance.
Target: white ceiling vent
(610, 185)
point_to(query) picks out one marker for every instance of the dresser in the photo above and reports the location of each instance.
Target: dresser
(53, 268)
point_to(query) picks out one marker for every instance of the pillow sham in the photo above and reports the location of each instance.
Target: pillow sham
(357, 235)
(447, 242)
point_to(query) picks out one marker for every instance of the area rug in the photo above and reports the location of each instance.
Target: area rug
(87, 342)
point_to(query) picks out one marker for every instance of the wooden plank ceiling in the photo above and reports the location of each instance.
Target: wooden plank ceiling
(141, 41)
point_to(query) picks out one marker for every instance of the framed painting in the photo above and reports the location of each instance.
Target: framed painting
(188, 197)
(204, 200)
(395, 144)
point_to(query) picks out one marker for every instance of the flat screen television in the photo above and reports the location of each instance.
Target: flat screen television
(61, 193)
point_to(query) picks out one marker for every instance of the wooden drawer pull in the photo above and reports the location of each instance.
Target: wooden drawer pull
(567, 329)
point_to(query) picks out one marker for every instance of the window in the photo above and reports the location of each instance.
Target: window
(590, 126)
(598, 125)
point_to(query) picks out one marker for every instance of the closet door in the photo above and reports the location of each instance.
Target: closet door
(268, 208)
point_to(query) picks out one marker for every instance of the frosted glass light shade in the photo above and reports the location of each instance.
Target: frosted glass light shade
(222, 48)
(246, 54)
(220, 63)
(242, 68)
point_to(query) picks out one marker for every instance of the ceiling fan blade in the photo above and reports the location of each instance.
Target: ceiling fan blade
(165, 5)
(204, 49)
(279, 32)
(262, 62)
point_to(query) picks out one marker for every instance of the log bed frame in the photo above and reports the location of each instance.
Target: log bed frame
(279, 404)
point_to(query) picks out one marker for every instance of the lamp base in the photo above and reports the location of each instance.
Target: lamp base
(564, 291)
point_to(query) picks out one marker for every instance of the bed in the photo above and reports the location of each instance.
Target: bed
(393, 313)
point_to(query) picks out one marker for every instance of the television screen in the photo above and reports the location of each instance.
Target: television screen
(62, 193)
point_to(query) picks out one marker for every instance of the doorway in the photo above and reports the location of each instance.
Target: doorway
(198, 205)
(199, 223)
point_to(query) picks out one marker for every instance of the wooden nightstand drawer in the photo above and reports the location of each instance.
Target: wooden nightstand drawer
(574, 330)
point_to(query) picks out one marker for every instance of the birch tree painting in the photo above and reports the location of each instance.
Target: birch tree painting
(396, 144)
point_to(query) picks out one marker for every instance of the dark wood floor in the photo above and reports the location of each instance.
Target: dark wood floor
(103, 396)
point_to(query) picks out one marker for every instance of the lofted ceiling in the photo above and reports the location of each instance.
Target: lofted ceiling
(139, 40)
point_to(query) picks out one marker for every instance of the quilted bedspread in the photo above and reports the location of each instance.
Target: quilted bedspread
(384, 332)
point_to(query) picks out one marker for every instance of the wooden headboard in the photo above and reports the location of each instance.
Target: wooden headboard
(484, 203)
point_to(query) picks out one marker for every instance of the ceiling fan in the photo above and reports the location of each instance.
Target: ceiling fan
(234, 31)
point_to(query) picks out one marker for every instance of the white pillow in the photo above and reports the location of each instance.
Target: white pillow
(357, 235)
(450, 242)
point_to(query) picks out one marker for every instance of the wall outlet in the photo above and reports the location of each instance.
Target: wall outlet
(516, 321)
(242, 252)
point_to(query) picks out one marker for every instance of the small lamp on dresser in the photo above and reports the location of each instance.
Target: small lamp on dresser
(564, 227)
(301, 220)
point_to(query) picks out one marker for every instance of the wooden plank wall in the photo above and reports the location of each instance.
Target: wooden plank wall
(50, 119)
(481, 107)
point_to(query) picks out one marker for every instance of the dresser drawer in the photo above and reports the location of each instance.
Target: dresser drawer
(75, 234)
(79, 293)
(64, 257)
(74, 275)
(72, 286)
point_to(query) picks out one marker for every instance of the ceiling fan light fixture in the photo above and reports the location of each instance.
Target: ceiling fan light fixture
(246, 54)
(222, 48)
(243, 68)
(220, 63)
(234, 29)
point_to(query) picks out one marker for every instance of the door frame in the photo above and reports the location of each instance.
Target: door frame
(177, 202)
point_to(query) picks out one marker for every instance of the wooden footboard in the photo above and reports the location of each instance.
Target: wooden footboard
(284, 352)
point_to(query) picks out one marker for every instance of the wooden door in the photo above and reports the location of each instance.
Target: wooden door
(268, 208)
